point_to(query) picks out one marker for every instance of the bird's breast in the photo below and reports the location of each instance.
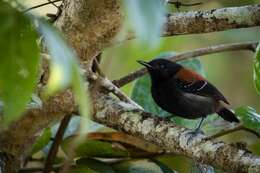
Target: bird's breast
(181, 103)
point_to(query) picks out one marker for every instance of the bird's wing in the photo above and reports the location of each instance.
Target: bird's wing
(191, 82)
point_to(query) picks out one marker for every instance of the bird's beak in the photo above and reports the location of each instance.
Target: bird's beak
(146, 64)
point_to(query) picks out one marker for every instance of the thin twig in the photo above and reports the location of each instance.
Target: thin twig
(178, 4)
(251, 131)
(53, 3)
(40, 5)
(191, 54)
(108, 85)
(234, 129)
(55, 146)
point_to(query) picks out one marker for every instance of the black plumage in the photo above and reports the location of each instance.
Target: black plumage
(185, 93)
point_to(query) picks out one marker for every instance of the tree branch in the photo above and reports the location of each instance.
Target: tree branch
(171, 137)
(234, 129)
(251, 46)
(195, 22)
(41, 5)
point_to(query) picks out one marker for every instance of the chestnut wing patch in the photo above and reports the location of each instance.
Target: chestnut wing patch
(191, 82)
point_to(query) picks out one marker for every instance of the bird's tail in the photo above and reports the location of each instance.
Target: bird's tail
(227, 115)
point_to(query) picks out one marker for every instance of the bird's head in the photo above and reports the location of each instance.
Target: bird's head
(161, 69)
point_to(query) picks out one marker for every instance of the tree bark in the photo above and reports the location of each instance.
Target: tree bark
(130, 119)
(197, 22)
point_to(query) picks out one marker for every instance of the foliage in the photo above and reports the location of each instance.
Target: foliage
(146, 18)
(93, 148)
(257, 69)
(42, 141)
(249, 117)
(19, 61)
(65, 70)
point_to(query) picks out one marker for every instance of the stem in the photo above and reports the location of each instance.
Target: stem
(251, 46)
(40, 5)
(55, 146)
(228, 131)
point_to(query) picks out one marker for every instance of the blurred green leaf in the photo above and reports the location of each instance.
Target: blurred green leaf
(94, 148)
(163, 167)
(65, 69)
(137, 166)
(249, 117)
(95, 165)
(81, 169)
(42, 141)
(257, 69)
(19, 61)
(147, 18)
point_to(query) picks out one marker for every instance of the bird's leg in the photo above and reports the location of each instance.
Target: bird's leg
(196, 131)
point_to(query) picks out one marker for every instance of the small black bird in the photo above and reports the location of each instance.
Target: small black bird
(185, 93)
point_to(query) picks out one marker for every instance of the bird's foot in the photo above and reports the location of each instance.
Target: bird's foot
(193, 134)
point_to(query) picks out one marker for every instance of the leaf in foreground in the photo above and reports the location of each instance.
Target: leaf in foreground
(65, 70)
(19, 61)
(93, 148)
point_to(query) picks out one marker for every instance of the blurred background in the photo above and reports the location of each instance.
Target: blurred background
(231, 72)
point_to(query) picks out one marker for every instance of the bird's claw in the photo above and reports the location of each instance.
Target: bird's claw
(192, 135)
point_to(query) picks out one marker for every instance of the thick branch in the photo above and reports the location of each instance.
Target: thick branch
(251, 46)
(171, 137)
(196, 22)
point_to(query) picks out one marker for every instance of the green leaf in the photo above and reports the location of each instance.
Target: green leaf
(94, 148)
(249, 117)
(147, 18)
(163, 167)
(65, 70)
(82, 169)
(137, 166)
(42, 141)
(19, 61)
(95, 165)
(257, 69)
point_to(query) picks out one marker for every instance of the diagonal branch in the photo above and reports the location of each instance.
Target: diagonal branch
(251, 46)
(171, 137)
(195, 22)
